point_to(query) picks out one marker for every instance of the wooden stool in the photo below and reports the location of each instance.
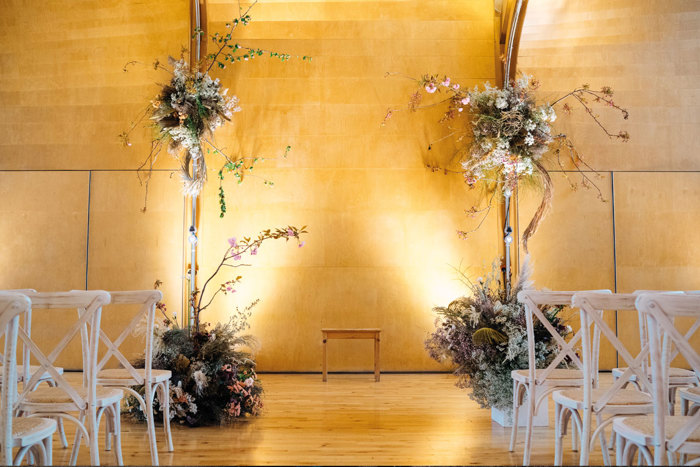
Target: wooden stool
(366, 333)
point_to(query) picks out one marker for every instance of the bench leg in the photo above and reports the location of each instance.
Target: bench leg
(325, 359)
(376, 359)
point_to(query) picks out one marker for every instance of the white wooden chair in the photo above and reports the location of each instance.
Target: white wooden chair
(28, 435)
(542, 382)
(126, 377)
(667, 435)
(25, 369)
(585, 403)
(89, 400)
(678, 377)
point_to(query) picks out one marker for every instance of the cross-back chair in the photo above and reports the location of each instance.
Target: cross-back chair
(25, 369)
(590, 401)
(666, 434)
(124, 378)
(678, 377)
(28, 435)
(89, 400)
(542, 382)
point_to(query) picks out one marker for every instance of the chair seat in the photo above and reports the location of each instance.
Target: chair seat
(676, 375)
(29, 430)
(44, 395)
(559, 374)
(121, 376)
(573, 398)
(640, 429)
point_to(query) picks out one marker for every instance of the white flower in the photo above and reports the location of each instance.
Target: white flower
(501, 102)
(200, 380)
(529, 139)
(530, 125)
(249, 382)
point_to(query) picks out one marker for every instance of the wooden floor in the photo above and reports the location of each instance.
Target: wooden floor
(404, 419)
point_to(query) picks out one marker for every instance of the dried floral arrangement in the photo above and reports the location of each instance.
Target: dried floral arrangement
(505, 136)
(189, 108)
(485, 336)
(213, 367)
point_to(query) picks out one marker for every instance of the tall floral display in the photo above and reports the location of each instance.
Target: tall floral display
(213, 367)
(505, 140)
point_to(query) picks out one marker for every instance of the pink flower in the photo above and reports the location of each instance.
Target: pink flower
(232, 241)
(254, 251)
(430, 88)
(446, 82)
(237, 258)
(456, 86)
(290, 233)
(460, 109)
(302, 244)
(465, 101)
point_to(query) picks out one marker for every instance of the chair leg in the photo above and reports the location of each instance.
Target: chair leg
(117, 432)
(585, 436)
(165, 401)
(151, 424)
(48, 447)
(685, 403)
(558, 454)
(92, 431)
(619, 446)
(77, 440)
(516, 408)
(628, 452)
(575, 435)
(61, 432)
(603, 441)
(530, 416)
(109, 431)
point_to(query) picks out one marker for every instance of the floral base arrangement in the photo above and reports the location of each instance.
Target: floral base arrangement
(213, 380)
(484, 335)
(213, 368)
(505, 417)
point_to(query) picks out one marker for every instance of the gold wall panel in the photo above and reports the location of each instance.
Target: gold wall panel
(382, 228)
(647, 52)
(573, 248)
(657, 215)
(43, 244)
(130, 250)
(64, 93)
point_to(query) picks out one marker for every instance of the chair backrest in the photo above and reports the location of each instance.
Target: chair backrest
(593, 307)
(26, 323)
(533, 300)
(91, 302)
(147, 299)
(661, 312)
(12, 305)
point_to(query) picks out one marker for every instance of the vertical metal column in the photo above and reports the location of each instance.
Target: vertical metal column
(192, 237)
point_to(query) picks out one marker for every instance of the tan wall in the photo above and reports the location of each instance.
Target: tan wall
(381, 228)
(642, 238)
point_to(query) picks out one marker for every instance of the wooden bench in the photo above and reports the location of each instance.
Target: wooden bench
(364, 333)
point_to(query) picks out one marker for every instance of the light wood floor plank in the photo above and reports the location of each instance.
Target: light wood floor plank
(404, 419)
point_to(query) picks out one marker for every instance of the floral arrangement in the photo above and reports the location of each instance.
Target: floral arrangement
(485, 336)
(213, 377)
(504, 135)
(213, 368)
(190, 107)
